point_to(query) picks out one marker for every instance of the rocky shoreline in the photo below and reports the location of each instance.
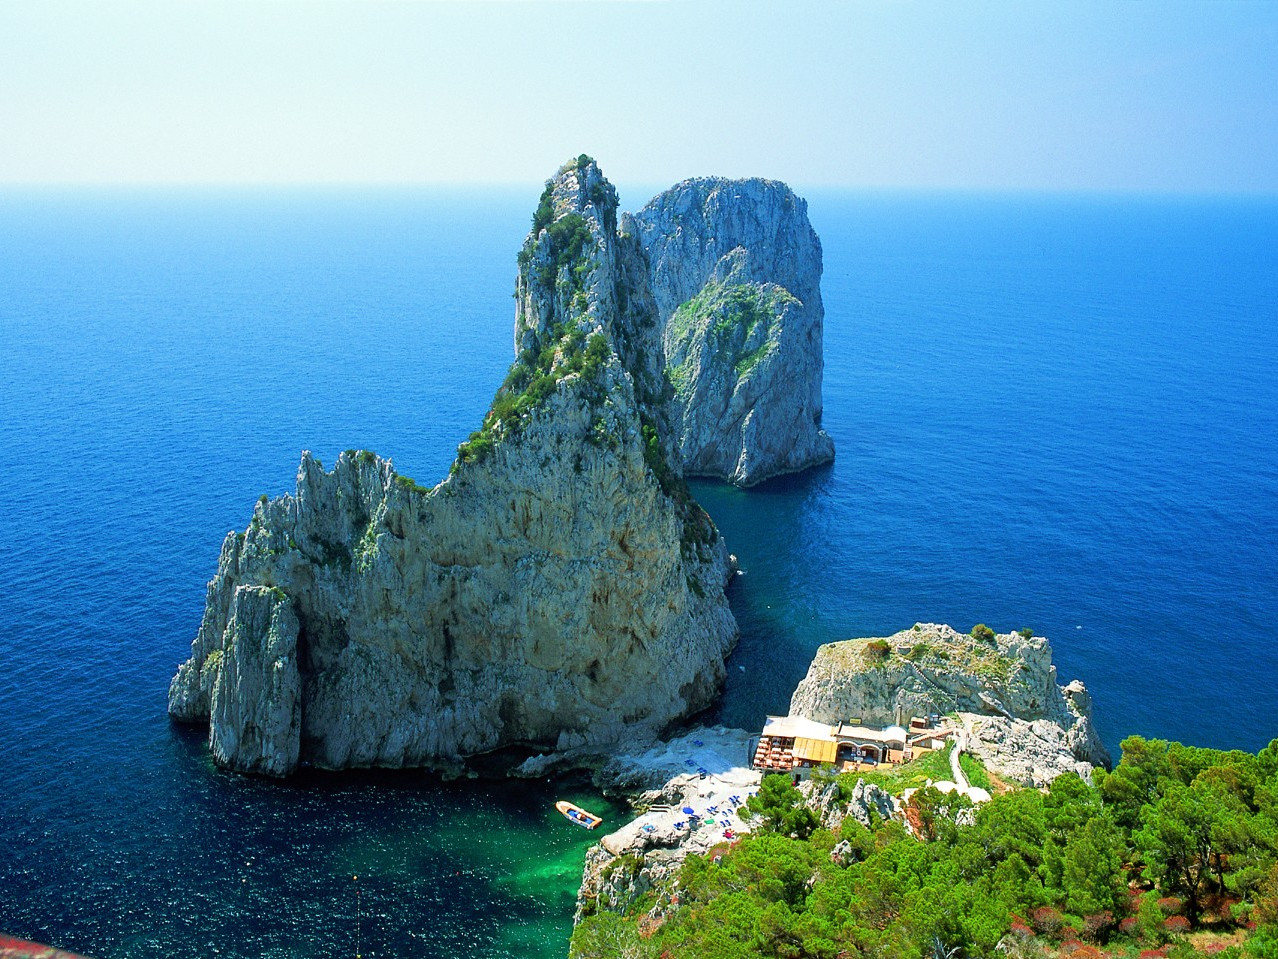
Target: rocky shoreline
(875, 680)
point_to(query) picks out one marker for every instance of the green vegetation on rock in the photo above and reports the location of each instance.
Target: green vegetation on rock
(973, 655)
(975, 771)
(780, 808)
(878, 650)
(934, 766)
(1176, 850)
(698, 529)
(561, 351)
(748, 361)
(410, 484)
(569, 237)
(545, 211)
(739, 321)
(533, 377)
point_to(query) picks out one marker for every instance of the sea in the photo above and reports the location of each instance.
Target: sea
(1056, 412)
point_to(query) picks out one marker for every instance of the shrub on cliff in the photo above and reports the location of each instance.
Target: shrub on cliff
(781, 808)
(878, 649)
(545, 209)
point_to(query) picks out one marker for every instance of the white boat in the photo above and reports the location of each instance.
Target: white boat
(578, 815)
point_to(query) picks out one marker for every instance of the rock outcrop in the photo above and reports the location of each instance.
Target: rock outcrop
(1002, 686)
(869, 804)
(255, 707)
(559, 587)
(1028, 752)
(736, 273)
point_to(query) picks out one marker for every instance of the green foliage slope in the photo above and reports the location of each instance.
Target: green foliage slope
(1177, 849)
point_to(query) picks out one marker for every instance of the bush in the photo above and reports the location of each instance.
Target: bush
(480, 444)
(1047, 920)
(1176, 925)
(1097, 924)
(1020, 930)
(878, 649)
(1263, 944)
(780, 806)
(1149, 919)
(545, 209)
(1026, 633)
(982, 632)
(568, 238)
(975, 772)
(410, 484)
(1171, 906)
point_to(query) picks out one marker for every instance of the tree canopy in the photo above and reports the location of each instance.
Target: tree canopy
(1177, 843)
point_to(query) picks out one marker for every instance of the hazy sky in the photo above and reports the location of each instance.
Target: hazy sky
(1111, 95)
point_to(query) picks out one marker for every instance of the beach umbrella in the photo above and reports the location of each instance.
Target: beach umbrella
(689, 810)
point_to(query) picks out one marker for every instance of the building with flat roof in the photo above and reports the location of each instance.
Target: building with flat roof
(793, 742)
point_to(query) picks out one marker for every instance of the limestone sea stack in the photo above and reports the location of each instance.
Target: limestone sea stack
(1002, 687)
(736, 274)
(560, 587)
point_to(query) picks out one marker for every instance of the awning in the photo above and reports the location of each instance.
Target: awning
(788, 726)
(815, 750)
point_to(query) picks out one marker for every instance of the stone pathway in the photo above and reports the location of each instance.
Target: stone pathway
(960, 743)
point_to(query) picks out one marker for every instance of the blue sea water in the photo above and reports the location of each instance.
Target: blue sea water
(1054, 412)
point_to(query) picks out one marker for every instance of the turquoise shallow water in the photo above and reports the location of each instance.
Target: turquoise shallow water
(1049, 412)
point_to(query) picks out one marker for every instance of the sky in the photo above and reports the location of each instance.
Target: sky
(1115, 96)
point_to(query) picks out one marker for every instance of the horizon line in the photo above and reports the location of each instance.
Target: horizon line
(470, 185)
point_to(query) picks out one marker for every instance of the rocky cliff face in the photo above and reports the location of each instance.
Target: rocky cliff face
(559, 587)
(735, 273)
(1003, 687)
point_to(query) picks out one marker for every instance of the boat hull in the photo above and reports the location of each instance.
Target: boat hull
(575, 814)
